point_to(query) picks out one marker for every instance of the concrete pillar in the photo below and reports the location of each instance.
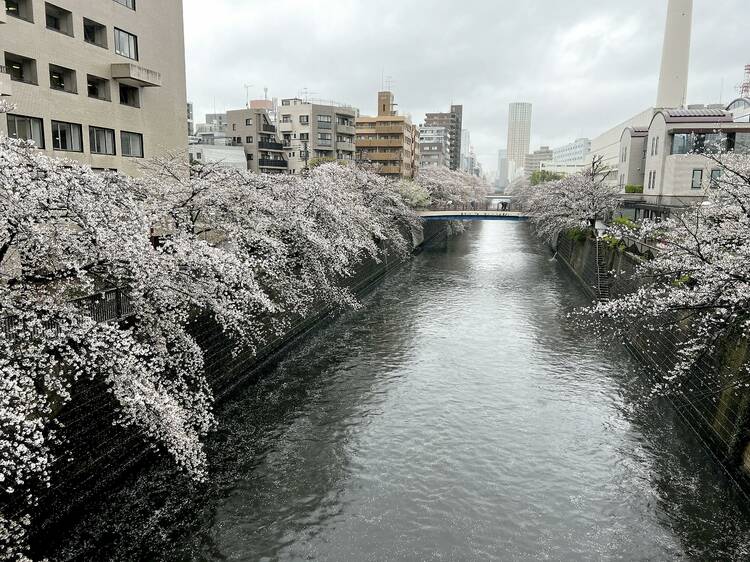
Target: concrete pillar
(675, 60)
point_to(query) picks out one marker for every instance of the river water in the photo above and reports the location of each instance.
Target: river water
(457, 416)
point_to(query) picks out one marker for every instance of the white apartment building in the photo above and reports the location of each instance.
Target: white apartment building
(433, 146)
(99, 82)
(519, 137)
(311, 130)
(667, 159)
(572, 153)
(224, 156)
(252, 129)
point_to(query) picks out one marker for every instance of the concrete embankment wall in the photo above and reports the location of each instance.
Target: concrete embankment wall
(713, 399)
(96, 455)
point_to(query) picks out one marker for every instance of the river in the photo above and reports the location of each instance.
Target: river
(458, 415)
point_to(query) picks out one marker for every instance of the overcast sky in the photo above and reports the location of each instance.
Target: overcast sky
(585, 64)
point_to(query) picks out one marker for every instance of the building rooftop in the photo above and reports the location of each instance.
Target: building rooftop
(696, 115)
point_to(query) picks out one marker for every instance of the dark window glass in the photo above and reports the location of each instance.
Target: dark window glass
(97, 87)
(94, 33)
(130, 95)
(27, 128)
(66, 136)
(102, 141)
(697, 182)
(132, 144)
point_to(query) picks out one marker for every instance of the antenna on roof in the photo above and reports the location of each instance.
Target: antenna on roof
(305, 94)
(247, 93)
(389, 82)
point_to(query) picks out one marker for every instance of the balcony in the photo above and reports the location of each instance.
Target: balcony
(365, 143)
(271, 163)
(286, 126)
(346, 129)
(268, 128)
(325, 125)
(270, 145)
(136, 75)
(345, 146)
(6, 88)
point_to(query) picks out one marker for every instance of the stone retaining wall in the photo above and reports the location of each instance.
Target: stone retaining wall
(714, 400)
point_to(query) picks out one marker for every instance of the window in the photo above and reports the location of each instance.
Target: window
(62, 79)
(131, 144)
(27, 128)
(624, 154)
(66, 136)
(697, 179)
(248, 122)
(325, 121)
(656, 147)
(58, 19)
(126, 44)
(234, 126)
(682, 143)
(21, 69)
(102, 141)
(286, 118)
(324, 139)
(304, 119)
(94, 33)
(127, 3)
(98, 88)
(130, 95)
(248, 140)
(715, 176)
(19, 9)
(304, 136)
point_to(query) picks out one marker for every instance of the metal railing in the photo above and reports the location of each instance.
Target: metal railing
(470, 206)
(111, 305)
(272, 163)
(270, 145)
(269, 128)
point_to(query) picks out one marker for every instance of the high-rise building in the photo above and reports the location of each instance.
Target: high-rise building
(574, 152)
(252, 129)
(433, 146)
(502, 168)
(519, 137)
(98, 82)
(190, 119)
(534, 160)
(465, 164)
(312, 130)
(389, 140)
(452, 121)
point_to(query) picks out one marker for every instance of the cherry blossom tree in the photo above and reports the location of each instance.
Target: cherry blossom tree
(448, 188)
(576, 201)
(251, 251)
(699, 280)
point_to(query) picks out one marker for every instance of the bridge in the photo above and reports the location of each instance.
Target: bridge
(490, 211)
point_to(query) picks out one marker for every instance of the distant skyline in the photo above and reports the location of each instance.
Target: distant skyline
(584, 65)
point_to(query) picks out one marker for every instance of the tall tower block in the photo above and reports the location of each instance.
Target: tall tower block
(675, 59)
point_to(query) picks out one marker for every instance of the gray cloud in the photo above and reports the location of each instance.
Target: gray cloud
(585, 64)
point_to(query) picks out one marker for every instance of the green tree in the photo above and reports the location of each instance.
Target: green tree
(543, 176)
